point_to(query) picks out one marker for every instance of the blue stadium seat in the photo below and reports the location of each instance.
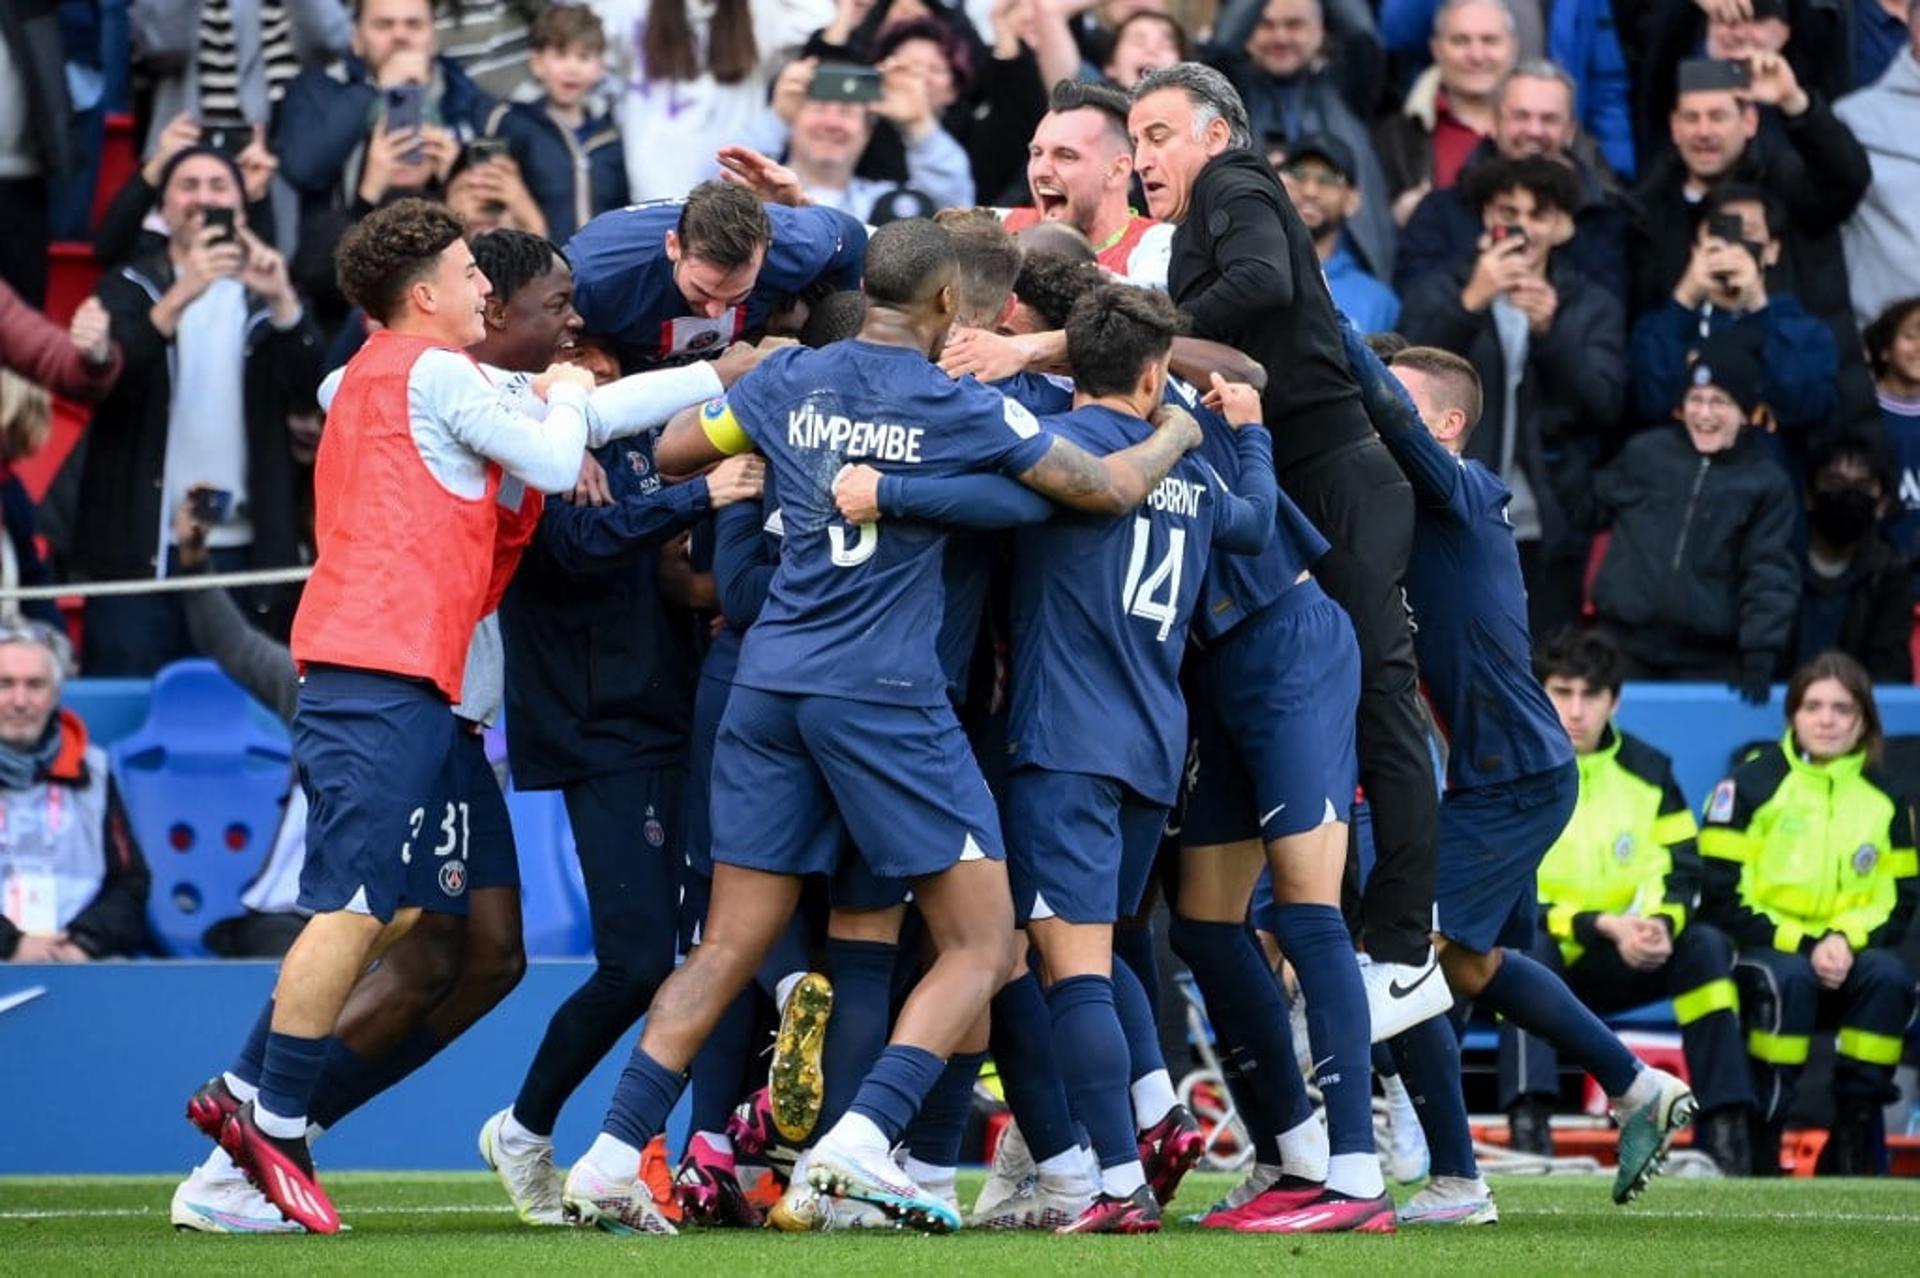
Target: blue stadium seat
(202, 779)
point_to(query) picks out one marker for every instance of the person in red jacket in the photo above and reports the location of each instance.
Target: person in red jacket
(420, 476)
(81, 362)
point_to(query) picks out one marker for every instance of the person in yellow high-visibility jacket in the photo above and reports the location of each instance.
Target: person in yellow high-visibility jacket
(1809, 865)
(1617, 892)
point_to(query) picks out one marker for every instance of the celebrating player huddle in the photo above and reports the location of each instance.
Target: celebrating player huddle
(996, 656)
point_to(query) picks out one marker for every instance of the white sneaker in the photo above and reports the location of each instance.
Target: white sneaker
(871, 1176)
(1041, 1202)
(533, 1185)
(218, 1205)
(1405, 1158)
(1450, 1200)
(1012, 1173)
(804, 1209)
(1401, 995)
(619, 1205)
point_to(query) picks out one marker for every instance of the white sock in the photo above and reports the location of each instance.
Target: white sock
(1121, 1181)
(515, 1138)
(1398, 1097)
(280, 1126)
(612, 1157)
(784, 990)
(242, 1092)
(1355, 1175)
(860, 1132)
(1646, 1086)
(1303, 1150)
(927, 1175)
(219, 1169)
(1065, 1165)
(1153, 1096)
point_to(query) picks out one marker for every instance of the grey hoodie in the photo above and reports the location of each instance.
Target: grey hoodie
(1879, 238)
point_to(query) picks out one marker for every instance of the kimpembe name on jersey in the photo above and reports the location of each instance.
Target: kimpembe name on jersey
(808, 427)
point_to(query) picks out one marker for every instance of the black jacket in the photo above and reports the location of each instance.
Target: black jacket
(1244, 271)
(118, 521)
(1700, 577)
(1445, 229)
(1818, 171)
(600, 668)
(1872, 604)
(1569, 395)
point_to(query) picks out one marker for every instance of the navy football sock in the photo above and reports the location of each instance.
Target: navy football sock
(642, 1100)
(936, 1132)
(1248, 1016)
(1429, 1060)
(1022, 1042)
(253, 1052)
(862, 975)
(1316, 941)
(1537, 1001)
(289, 1070)
(350, 1080)
(720, 1067)
(1086, 1031)
(1137, 1023)
(1133, 945)
(1383, 1063)
(896, 1087)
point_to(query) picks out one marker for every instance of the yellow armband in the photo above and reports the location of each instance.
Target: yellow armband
(723, 429)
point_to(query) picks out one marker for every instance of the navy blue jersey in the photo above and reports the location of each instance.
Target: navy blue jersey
(1238, 586)
(1469, 602)
(623, 283)
(1100, 614)
(855, 611)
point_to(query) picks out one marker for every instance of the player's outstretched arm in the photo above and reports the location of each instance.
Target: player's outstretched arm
(962, 501)
(1430, 468)
(688, 446)
(1116, 483)
(1196, 360)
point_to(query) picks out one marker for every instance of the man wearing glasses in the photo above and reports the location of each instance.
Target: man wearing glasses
(1322, 179)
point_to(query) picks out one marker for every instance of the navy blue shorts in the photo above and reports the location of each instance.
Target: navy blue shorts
(1079, 847)
(470, 841)
(373, 750)
(1492, 839)
(900, 777)
(1273, 724)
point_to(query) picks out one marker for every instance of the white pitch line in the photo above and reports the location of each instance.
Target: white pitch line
(106, 1213)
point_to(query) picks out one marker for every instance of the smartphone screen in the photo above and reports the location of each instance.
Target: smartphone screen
(222, 218)
(405, 111)
(844, 82)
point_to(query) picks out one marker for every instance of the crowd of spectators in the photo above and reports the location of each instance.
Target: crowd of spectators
(1675, 238)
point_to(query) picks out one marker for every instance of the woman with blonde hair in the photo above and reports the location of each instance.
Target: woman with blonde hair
(26, 418)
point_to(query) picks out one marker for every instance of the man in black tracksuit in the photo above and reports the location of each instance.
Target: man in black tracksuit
(1245, 273)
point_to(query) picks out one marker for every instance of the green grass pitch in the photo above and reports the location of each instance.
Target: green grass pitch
(458, 1224)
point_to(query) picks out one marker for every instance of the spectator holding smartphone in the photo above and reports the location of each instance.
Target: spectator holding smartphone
(218, 350)
(823, 115)
(126, 229)
(1724, 290)
(487, 192)
(566, 146)
(1549, 346)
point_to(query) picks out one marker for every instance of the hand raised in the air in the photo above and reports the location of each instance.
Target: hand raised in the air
(1238, 402)
(856, 491)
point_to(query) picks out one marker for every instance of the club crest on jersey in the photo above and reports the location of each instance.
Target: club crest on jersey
(453, 878)
(1865, 857)
(1623, 848)
(1720, 806)
(655, 832)
(638, 463)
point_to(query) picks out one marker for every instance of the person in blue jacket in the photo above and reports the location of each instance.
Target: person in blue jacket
(566, 144)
